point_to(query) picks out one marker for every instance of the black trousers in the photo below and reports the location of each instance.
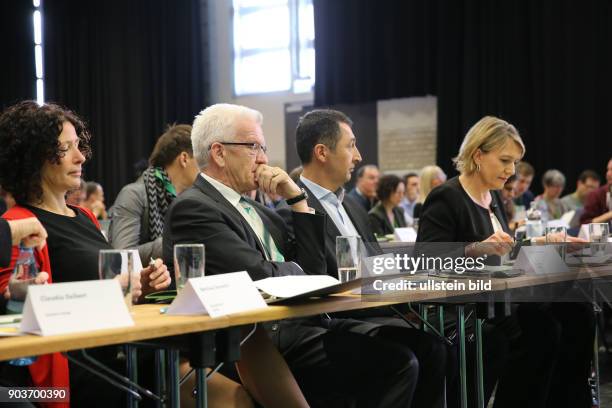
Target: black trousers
(549, 364)
(437, 361)
(336, 360)
(538, 357)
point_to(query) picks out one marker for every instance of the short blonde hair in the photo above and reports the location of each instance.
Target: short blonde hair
(488, 134)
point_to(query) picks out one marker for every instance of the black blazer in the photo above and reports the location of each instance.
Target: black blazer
(202, 215)
(450, 215)
(358, 217)
(380, 222)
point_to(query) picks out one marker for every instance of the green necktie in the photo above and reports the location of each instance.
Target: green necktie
(254, 220)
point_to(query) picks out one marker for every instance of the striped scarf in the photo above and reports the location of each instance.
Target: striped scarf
(160, 193)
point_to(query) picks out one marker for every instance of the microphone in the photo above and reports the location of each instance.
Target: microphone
(493, 205)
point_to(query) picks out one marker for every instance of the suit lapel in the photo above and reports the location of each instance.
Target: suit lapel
(229, 209)
(313, 202)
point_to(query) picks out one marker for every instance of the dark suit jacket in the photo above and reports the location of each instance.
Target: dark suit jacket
(379, 222)
(202, 215)
(357, 215)
(450, 215)
(361, 200)
(5, 243)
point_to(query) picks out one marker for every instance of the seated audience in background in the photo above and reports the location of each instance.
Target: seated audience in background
(548, 202)
(508, 195)
(94, 200)
(365, 187)
(137, 216)
(327, 149)
(386, 215)
(243, 235)
(412, 185)
(524, 177)
(77, 196)
(598, 204)
(43, 151)
(588, 181)
(540, 355)
(430, 177)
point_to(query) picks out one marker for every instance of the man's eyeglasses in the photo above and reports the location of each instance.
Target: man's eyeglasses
(253, 147)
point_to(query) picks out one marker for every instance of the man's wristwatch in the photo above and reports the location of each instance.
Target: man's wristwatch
(298, 198)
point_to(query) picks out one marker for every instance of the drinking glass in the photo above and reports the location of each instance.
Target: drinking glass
(557, 236)
(119, 264)
(348, 257)
(188, 263)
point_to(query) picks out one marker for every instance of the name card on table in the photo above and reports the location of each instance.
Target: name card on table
(217, 295)
(71, 307)
(407, 234)
(540, 260)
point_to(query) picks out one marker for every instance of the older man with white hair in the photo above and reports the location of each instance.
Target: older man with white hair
(240, 234)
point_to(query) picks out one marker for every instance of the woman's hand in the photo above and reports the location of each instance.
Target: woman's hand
(499, 243)
(154, 277)
(29, 232)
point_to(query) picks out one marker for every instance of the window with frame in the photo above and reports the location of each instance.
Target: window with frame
(273, 46)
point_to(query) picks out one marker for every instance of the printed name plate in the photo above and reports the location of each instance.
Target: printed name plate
(71, 307)
(217, 295)
(540, 260)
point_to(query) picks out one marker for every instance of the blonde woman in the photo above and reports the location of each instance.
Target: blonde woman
(540, 354)
(430, 177)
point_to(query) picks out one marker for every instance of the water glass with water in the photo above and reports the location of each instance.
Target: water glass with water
(348, 257)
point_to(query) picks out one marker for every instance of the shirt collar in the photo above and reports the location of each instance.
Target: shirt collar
(321, 193)
(228, 193)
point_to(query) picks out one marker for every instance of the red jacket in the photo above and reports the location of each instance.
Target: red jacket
(595, 204)
(49, 370)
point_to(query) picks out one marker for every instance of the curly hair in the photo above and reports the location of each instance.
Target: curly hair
(29, 137)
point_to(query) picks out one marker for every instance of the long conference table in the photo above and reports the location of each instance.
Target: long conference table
(150, 323)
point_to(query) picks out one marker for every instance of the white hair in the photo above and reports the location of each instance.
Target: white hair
(217, 123)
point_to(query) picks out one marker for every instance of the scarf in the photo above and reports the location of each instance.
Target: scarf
(160, 193)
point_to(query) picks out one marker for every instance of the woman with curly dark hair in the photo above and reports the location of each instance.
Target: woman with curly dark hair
(43, 151)
(387, 215)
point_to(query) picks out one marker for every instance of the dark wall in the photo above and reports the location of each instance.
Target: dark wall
(17, 72)
(543, 65)
(129, 68)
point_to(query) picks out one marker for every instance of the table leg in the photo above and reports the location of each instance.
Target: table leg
(174, 389)
(462, 357)
(201, 391)
(479, 364)
(132, 372)
(596, 361)
(160, 376)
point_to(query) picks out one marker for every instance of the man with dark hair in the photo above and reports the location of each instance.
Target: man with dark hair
(327, 167)
(587, 181)
(598, 204)
(524, 176)
(412, 183)
(365, 188)
(137, 217)
(243, 235)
